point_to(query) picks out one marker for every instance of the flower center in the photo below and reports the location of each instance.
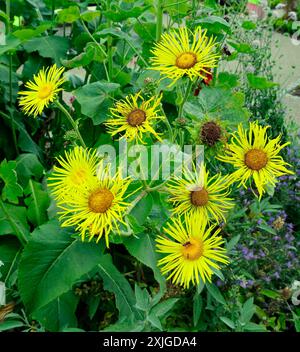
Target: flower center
(256, 159)
(78, 176)
(199, 197)
(186, 60)
(210, 133)
(100, 200)
(136, 117)
(45, 91)
(193, 249)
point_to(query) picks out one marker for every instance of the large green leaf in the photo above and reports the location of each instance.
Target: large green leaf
(51, 263)
(52, 46)
(69, 15)
(37, 202)
(257, 82)
(142, 247)
(94, 99)
(118, 14)
(59, 314)
(28, 166)
(9, 251)
(115, 282)
(215, 293)
(12, 190)
(13, 221)
(215, 24)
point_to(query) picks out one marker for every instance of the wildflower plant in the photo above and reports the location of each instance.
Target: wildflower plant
(107, 198)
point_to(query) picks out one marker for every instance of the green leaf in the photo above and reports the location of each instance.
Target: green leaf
(176, 8)
(89, 16)
(163, 308)
(10, 324)
(249, 25)
(59, 314)
(12, 190)
(232, 243)
(91, 53)
(9, 251)
(267, 228)
(247, 311)
(136, 247)
(28, 33)
(270, 293)
(252, 327)
(228, 322)
(146, 31)
(220, 103)
(215, 293)
(122, 326)
(197, 308)
(115, 282)
(37, 202)
(94, 100)
(28, 166)
(257, 82)
(215, 24)
(13, 221)
(242, 48)
(142, 209)
(153, 319)
(11, 43)
(228, 79)
(117, 14)
(69, 15)
(43, 278)
(54, 47)
(142, 298)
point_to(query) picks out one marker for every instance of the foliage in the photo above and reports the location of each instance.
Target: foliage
(56, 282)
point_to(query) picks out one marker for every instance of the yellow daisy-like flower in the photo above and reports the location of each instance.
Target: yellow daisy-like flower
(255, 156)
(99, 207)
(182, 52)
(191, 251)
(134, 116)
(200, 195)
(42, 90)
(76, 168)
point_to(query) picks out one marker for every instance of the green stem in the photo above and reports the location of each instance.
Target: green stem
(159, 19)
(72, 122)
(10, 83)
(186, 95)
(109, 45)
(98, 45)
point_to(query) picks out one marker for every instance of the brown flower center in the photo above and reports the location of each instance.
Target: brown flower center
(136, 117)
(100, 201)
(199, 197)
(45, 91)
(210, 133)
(186, 60)
(256, 159)
(193, 249)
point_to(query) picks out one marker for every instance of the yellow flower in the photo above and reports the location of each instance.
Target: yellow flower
(42, 90)
(134, 116)
(76, 168)
(99, 207)
(184, 53)
(191, 251)
(255, 156)
(200, 195)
